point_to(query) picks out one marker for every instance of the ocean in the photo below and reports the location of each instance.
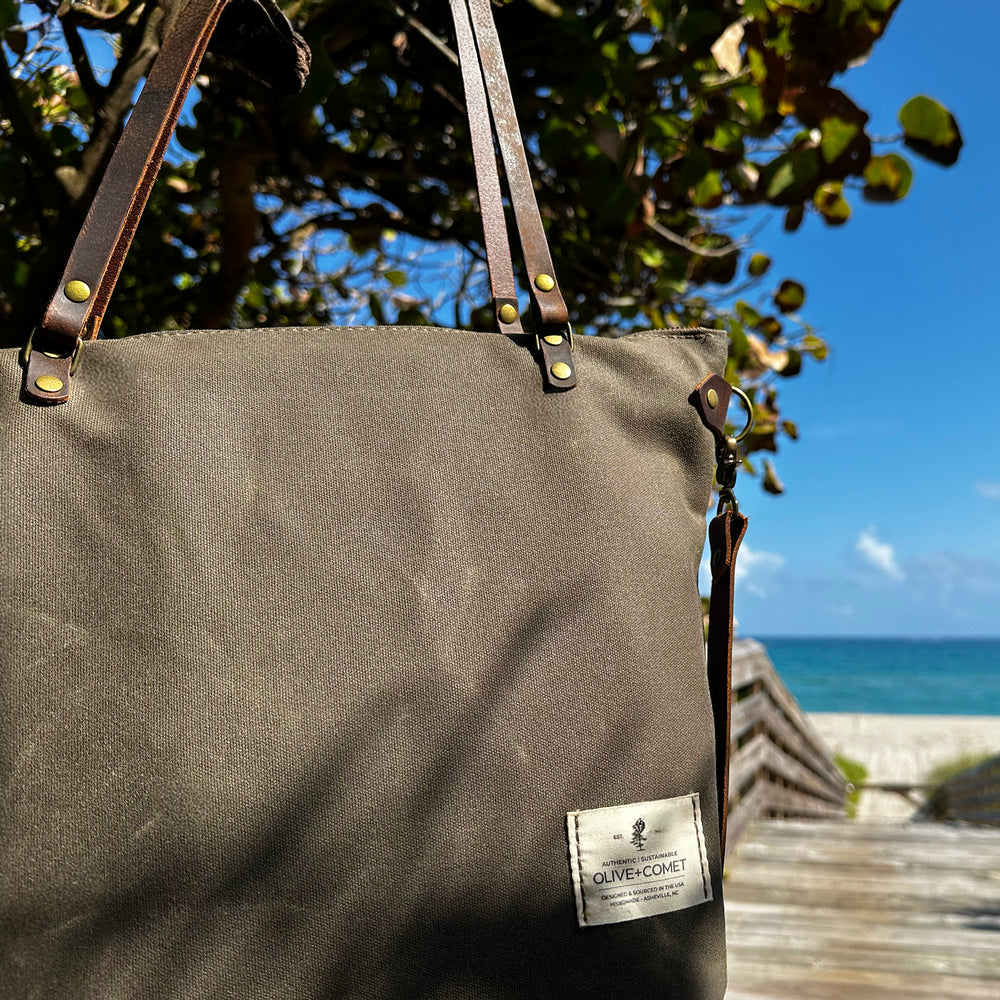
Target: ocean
(897, 676)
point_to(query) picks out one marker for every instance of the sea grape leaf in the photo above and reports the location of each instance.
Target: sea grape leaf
(829, 199)
(789, 296)
(887, 178)
(930, 130)
(836, 135)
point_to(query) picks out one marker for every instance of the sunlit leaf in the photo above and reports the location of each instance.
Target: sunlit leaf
(759, 263)
(812, 344)
(726, 49)
(708, 192)
(887, 178)
(790, 296)
(829, 199)
(930, 130)
(836, 136)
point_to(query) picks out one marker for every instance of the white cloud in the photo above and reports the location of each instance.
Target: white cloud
(755, 569)
(989, 490)
(878, 554)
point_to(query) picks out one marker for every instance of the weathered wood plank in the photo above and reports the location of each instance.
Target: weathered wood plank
(763, 981)
(843, 911)
(759, 708)
(760, 752)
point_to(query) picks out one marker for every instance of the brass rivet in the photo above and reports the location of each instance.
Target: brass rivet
(545, 283)
(77, 291)
(48, 383)
(561, 370)
(507, 313)
(554, 339)
(713, 398)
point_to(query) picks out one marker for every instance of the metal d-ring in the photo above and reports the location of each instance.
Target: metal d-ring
(748, 406)
(74, 357)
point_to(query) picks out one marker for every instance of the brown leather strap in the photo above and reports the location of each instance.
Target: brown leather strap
(711, 399)
(99, 252)
(550, 304)
(555, 338)
(725, 533)
(498, 257)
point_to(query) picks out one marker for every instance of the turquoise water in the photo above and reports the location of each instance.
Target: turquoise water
(899, 676)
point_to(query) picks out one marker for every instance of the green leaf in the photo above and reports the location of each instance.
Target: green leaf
(756, 9)
(758, 68)
(727, 139)
(829, 199)
(791, 429)
(887, 178)
(651, 256)
(397, 278)
(748, 314)
(375, 307)
(770, 328)
(811, 344)
(802, 6)
(836, 136)
(8, 14)
(759, 263)
(790, 296)
(708, 193)
(931, 130)
(793, 218)
(788, 174)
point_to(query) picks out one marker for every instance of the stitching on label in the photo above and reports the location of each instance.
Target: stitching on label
(701, 848)
(579, 869)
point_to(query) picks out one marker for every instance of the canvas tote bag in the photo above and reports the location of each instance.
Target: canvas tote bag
(362, 662)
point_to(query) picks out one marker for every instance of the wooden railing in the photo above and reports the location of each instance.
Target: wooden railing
(779, 766)
(972, 796)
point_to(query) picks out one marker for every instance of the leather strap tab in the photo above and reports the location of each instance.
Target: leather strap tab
(47, 377)
(711, 399)
(725, 534)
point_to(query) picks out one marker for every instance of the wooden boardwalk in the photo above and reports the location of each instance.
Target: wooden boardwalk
(842, 910)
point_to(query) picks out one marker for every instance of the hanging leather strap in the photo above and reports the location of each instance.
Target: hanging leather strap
(555, 337)
(498, 257)
(725, 534)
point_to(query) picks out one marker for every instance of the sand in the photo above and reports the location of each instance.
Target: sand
(903, 749)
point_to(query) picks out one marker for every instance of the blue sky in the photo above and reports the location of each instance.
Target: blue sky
(890, 521)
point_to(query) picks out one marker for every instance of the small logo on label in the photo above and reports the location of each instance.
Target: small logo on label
(637, 838)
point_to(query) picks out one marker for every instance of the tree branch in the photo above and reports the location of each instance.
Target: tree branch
(81, 62)
(110, 112)
(678, 240)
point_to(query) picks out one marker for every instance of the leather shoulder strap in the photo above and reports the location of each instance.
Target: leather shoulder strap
(81, 298)
(555, 340)
(498, 257)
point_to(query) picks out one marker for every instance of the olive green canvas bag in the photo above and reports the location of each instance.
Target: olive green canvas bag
(365, 662)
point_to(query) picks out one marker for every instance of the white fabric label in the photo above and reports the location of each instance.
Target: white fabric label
(638, 860)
